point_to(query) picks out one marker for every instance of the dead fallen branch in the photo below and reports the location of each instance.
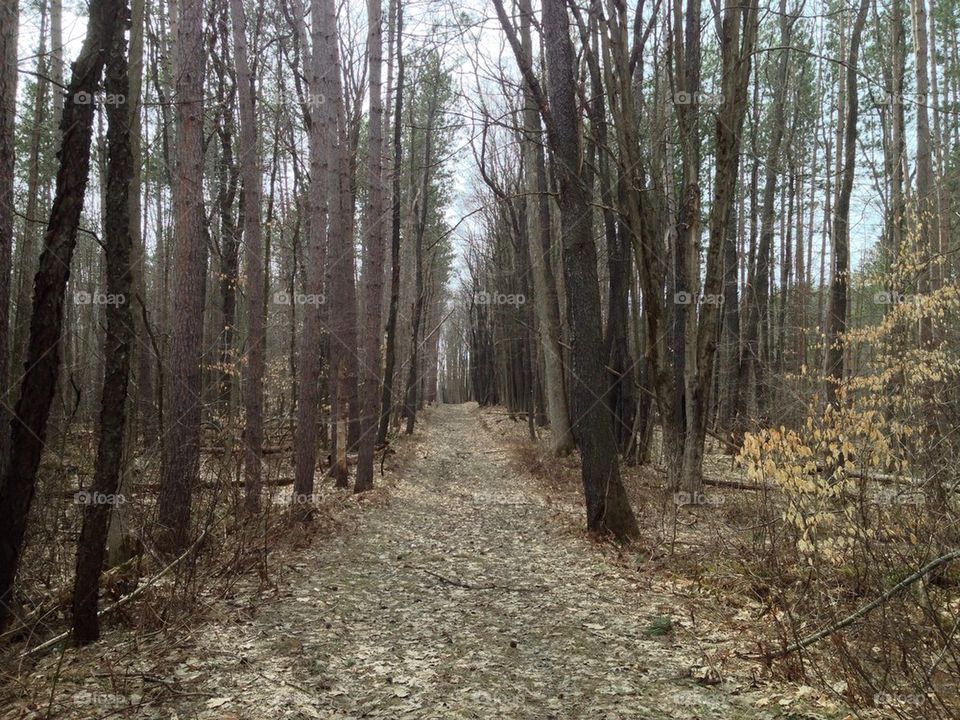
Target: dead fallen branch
(239, 449)
(852, 618)
(733, 484)
(717, 482)
(54, 641)
(470, 586)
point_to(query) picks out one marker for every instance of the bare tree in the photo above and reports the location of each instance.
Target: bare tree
(757, 291)
(118, 343)
(739, 32)
(422, 207)
(180, 469)
(305, 440)
(32, 226)
(608, 509)
(9, 25)
(545, 286)
(373, 252)
(29, 425)
(386, 404)
(253, 255)
(341, 267)
(840, 230)
(925, 198)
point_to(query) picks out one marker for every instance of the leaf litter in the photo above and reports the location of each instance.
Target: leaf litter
(462, 598)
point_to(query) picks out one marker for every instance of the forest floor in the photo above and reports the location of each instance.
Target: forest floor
(463, 597)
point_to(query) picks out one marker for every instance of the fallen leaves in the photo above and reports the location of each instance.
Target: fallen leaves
(353, 632)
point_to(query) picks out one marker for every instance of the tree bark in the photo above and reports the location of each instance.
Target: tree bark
(372, 255)
(253, 257)
(9, 26)
(898, 149)
(386, 405)
(413, 373)
(837, 304)
(118, 343)
(180, 469)
(545, 285)
(737, 45)
(308, 401)
(925, 205)
(29, 424)
(32, 227)
(608, 509)
(756, 293)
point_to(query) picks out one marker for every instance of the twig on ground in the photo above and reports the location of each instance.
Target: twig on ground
(852, 618)
(469, 586)
(119, 603)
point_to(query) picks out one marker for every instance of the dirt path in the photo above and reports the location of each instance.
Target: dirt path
(460, 599)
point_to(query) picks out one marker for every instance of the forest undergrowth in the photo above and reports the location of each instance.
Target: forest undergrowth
(150, 603)
(733, 563)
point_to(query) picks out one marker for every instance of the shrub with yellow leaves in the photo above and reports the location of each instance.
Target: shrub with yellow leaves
(859, 495)
(819, 469)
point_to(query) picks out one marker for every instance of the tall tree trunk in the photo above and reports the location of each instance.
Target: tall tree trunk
(737, 44)
(730, 339)
(386, 405)
(938, 219)
(924, 199)
(308, 401)
(56, 61)
(342, 306)
(372, 254)
(118, 244)
(228, 180)
(608, 509)
(840, 231)
(756, 293)
(253, 257)
(180, 469)
(413, 373)
(32, 226)
(118, 538)
(29, 424)
(143, 418)
(898, 149)
(686, 262)
(9, 26)
(545, 284)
